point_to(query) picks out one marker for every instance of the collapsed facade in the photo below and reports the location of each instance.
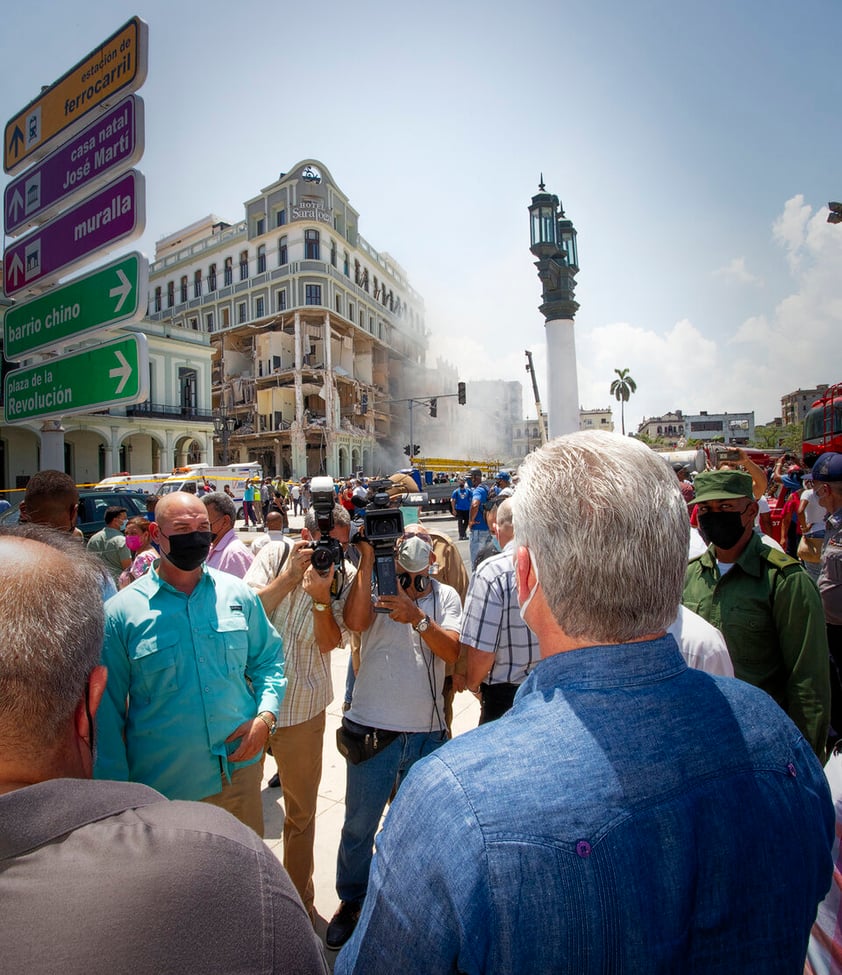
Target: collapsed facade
(315, 333)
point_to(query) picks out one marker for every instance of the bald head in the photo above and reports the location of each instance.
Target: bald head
(51, 625)
(180, 508)
(505, 529)
(275, 521)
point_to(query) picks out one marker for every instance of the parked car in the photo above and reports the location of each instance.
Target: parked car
(92, 505)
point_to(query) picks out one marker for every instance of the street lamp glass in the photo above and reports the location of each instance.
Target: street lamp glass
(543, 225)
(567, 242)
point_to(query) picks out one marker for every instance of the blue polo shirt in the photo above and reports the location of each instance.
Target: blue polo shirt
(479, 522)
(462, 499)
(183, 673)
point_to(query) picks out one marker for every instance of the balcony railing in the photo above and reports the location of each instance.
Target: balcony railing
(162, 411)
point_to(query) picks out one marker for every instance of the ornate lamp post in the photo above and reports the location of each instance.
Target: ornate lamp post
(553, 242)
(223, 425)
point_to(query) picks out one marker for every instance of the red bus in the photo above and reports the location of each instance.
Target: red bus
(823, 426)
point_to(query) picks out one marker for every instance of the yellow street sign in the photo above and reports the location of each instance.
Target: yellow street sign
(115, 68)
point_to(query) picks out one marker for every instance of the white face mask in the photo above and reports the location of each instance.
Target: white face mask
(525, 604)
(414, 554)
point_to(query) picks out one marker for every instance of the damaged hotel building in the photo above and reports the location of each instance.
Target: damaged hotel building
(315, 333)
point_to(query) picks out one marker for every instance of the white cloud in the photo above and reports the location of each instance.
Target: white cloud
(666, 367)
(483, 324)
(755, 329)
(789, 230)
(737, 272)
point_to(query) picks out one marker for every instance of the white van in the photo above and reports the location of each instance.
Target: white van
(202, 478)
(147, 483)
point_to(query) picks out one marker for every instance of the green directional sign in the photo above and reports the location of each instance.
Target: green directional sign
(115, 373)
(111, 295)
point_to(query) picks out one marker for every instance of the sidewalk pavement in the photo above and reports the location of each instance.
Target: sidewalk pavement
(331, 806)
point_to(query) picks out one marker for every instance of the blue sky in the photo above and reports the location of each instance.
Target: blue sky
(694, 146)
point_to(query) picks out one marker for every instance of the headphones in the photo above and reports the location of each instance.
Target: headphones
(421, 582)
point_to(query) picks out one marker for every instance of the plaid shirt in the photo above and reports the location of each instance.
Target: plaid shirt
(307, 669)
(491, 621)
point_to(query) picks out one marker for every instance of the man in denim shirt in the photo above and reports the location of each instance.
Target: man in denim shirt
(628, 814)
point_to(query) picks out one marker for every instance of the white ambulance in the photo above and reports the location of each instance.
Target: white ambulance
(147, 483)
(201, 479)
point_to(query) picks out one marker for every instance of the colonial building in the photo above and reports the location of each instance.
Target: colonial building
(173, 427)
(670, 426)
(736, 428)
(795, 406)
(527, 437)
(596, 419)
(316, 335)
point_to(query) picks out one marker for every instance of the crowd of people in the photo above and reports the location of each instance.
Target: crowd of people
(657, 665)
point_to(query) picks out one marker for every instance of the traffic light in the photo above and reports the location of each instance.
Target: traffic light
(434, 407)
(461, 394)
(407, 450)
(416, 450)
(835, 215)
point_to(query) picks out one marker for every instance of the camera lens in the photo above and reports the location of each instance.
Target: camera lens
(322, 559)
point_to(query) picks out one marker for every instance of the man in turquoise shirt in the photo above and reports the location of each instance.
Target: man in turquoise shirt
(195, 674)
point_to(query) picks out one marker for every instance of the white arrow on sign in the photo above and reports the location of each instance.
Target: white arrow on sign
(124, 371)
(15, 268)
(15, 205)
(124, 289)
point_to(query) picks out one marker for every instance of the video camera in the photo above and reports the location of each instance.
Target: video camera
(381, 526)
(327, 551)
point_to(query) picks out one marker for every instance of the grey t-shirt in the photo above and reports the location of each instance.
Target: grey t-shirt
(110, 545)
(399, 685)
(105, 877)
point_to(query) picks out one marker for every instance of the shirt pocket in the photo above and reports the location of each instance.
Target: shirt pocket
(751, 632)
(155, 666)
(833, 563)
(232, 636)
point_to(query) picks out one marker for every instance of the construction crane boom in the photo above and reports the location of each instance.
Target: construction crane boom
(531, 370)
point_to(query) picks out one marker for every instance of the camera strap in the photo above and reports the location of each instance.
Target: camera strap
(284, 557)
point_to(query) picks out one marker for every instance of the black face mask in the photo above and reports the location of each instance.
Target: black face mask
(188, 551)
(723, 528)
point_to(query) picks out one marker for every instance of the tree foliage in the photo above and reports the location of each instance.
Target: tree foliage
(621, 389)
(770, 437)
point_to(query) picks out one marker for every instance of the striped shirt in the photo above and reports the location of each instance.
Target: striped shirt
(307, 669)
(491, 621)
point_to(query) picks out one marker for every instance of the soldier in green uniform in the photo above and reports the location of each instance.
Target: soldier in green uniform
(763, 601)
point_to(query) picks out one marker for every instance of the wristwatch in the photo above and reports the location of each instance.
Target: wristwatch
(269, 720)
(421, 625)
(319, 607)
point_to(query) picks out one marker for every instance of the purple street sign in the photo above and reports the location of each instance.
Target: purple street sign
(110, 145)
(114, 215)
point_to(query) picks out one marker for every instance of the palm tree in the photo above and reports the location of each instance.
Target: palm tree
(621, 389)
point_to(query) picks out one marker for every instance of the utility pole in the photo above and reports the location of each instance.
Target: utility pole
(430, 402)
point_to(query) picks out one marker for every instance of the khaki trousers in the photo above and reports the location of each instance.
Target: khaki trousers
(241, 796)
(297, 750)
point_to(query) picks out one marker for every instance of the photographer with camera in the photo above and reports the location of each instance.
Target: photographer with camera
(397, 711)
(303, 587)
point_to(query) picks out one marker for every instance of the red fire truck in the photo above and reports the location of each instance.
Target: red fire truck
(823, 426)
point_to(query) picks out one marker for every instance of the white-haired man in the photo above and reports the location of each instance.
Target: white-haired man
(629, 813)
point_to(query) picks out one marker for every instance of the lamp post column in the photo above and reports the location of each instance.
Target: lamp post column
(553, 242)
